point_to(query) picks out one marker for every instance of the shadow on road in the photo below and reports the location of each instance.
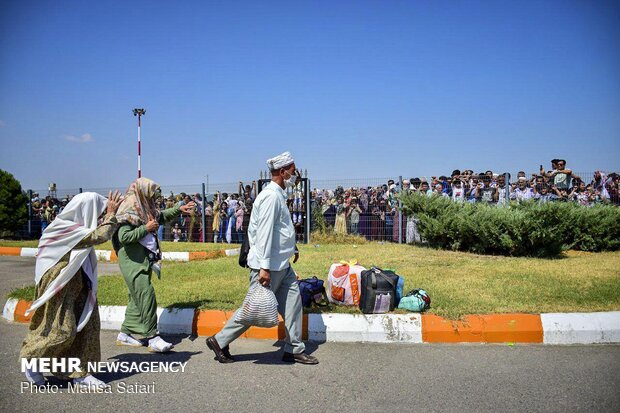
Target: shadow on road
(272, 357)
(173, 356)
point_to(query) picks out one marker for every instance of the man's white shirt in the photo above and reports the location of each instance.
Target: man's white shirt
(271, 233)
(522, 194)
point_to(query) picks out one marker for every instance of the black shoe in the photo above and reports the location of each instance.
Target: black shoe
(226, 351)
(302, 358)
(219, 353)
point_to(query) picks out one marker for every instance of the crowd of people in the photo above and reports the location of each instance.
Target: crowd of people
(65, 320)
(226, 216)
(46, 209)
(65, 316)
(373, 211)
(370, 211)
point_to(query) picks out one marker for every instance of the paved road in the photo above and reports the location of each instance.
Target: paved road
(350, 377)
(17, 272)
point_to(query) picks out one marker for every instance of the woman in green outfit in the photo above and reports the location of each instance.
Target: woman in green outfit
(65, 321)
(137, 248)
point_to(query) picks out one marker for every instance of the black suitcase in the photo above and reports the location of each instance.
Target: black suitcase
(378, 291)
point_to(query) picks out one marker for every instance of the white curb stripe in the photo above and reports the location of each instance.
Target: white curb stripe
(112, 316)
(9, 309)
(175, 320)
(103, 255)
(581, 328)
(106, 255)
(559, 328)
(376, 328)
(175, 256)
(28, 252)
(170, 321)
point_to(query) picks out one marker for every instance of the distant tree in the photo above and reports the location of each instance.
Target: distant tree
(13, 204)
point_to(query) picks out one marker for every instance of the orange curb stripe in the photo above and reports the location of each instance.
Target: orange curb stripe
(193, 255)
(205, 255)
(197, 255)
(20, 312)
(491, 328)
(14, 251)
(210, 322)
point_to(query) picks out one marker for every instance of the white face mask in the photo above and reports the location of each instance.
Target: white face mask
(290, 182)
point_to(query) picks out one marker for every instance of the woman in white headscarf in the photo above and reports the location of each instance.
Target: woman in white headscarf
(65, 320)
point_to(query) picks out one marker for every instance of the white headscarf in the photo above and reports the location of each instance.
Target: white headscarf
(77, 220)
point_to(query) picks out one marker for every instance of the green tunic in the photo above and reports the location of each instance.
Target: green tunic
(141, 313)
(53, 327)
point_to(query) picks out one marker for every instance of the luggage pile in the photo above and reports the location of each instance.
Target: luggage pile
(374, 290)
(343, 283)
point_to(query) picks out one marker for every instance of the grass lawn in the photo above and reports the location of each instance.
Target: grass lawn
(458, 283)
(165, 245)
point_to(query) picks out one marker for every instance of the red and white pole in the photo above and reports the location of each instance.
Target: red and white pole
(139, 166)
(139, 112)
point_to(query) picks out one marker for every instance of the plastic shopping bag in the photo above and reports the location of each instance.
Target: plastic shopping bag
(260, 308)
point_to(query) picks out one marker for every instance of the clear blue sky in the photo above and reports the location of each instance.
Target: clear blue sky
(351, 88)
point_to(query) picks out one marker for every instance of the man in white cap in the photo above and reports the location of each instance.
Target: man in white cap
(271, 235)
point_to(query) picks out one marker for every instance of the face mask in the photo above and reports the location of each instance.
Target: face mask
(290, 182)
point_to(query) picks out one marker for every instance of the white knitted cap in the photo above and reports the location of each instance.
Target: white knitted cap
(280, 161)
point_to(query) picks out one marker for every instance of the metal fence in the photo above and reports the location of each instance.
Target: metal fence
(372, 207)
(369, 207)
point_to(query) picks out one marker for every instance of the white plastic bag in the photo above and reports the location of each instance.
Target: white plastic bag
(343, 283)
(260, 308)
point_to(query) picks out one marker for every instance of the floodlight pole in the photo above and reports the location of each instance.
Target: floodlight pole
(139, 113)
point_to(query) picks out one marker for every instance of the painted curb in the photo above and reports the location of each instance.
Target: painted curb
(233, 252)
(19, 314)
(581, 328)
(175, 320)
(175, 256)
(104, 255)
(12, 251)
(209, 322)
(110, 256)
(29, 252)
(372, 328)
(170, 321)
(8, 313)
(553, 328)
(491, 328)
(112, 316)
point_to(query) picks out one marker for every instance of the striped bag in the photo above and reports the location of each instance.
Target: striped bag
(260, 308)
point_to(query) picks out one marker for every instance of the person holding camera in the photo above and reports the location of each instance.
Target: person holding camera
(458, 189)
(353, 213)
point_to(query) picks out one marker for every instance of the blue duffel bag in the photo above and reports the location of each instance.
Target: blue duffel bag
(416, 300)
(312, 291)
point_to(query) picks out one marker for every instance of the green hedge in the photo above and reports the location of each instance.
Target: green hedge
(520, 229)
